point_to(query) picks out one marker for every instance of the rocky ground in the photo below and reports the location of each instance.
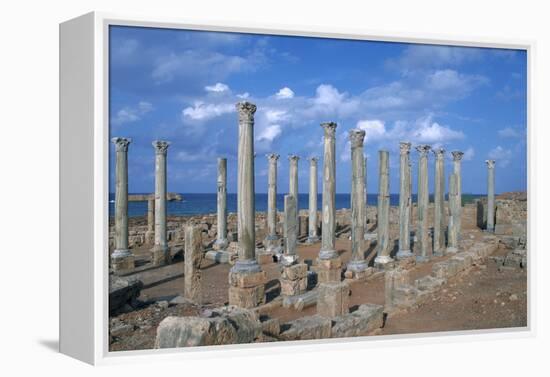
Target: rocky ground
(483, 297)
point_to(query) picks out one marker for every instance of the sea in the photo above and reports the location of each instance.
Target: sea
(199, 204)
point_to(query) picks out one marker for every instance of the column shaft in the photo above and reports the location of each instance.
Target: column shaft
(312, 225)
(490, 195)
(404, 202)
(161, 252)
(439, 203)
(272, 243)
(383, 244)
(328, 241)
(423, 249)
(454, 211)
(221, 241)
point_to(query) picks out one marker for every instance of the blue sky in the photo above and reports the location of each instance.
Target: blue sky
(182, 86)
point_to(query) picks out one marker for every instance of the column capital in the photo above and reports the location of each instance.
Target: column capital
(490, 163)
(161, 146)
(272, 157)
(457, 155)
(220, 159)
(423, 149)
(330, 128)
(293, 157)
(404, 147)
(246, 111)
(439, 153)
(313, 159)
(356, 137)
(121, 143)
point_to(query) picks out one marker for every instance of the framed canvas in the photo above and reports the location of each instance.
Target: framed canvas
(235, 189)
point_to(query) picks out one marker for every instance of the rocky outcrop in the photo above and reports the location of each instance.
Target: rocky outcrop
(123, 294)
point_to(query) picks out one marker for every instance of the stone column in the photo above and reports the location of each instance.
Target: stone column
(272, 242)
(312, 233)
(150, 234)
(383, 243)
(329, 262)
(404, 202)
(490, 195)
(457, 160)
(293, 180)
(160, 252)
(439, 203)
(193, 258)
(291, 231)
(357, 265)
(368, 235)
(121, 258)
(246, 277)
(454, 215)
(423, 247)
(221, 239)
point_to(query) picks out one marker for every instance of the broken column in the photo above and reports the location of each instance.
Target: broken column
(439, 203)
(404, 202)
(457, 161)
(329, 263)
(246, 279)
(383, 243)
(193, 258)
(272, 241)
(150, 234)
(490, 195)
(160, 251)
(121, 258)
(357, 265)
(221, 239)
(312, 231)
(454, 215)
(423, 247)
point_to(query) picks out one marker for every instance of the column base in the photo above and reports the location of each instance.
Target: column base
(451, 250)
(439, 253)
(247, 266)
(404, 254)
(383, 262)
(288, 260)
(329, 270)
(247, 289)
(122, 260)
(371, 236)
(422, 258)
(358, 270)
(264, 257)
(220, 244)
(312, 239)
(160, 255)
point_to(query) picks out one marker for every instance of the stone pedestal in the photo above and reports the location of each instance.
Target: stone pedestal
(247, 290)
(293, 279)
(383, 245)
(333, 299)
(404, 251)
(160, 252)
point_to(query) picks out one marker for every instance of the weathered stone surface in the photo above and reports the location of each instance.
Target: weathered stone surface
(365, 319)
(307, 328)
(122, 291)
(294, 272)
(229, 325)
(218, 256)
(405, 296)
(326, 276)
(247, 280)
(305, 300)
(423, 252)
(271, 326)
(312, 221)
(192, 264)
(333, 299)
(160, 251)
(429, 283)
(272, 241)
(247, 297)
(383, 242)
(393, 280)
(221, 241)
(328, 240)
(293, 287)
(490, 195)
(404, 202)
(439, 203)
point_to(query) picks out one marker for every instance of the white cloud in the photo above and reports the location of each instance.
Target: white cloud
(416, 57)
(284, 93)
(269, 133)
(274, 115)
(201, 111)
(450, 81)
(501, 155)
(374, 129)
(217, 88)
(243, 95)
(131, 114)
(469, 154)
(510, 132)
(329, 101)
(432, 132)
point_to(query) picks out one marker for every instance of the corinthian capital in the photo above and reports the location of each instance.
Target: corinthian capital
(423, 149)
(404, 147)
(356, 137)
(121, 143)
(490, 163)
(457, 155)
(161, 146)
(330, 128)
(313, 160)
(439, 153)
(246, 111)
(293, 157)
(272, 157)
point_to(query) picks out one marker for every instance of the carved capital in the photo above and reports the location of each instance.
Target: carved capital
(356, 137)
(246, 112)
(423, 149)
(457, 155)
(272, 157)
(490, 163)
(161, 146)
(313, 160)
(439, 153)
(330, 129)
(404, 147)
(293, 157)
(121, 143)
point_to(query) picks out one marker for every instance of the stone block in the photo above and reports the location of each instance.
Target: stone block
(333, 299)
(271, 326)
(307, 328)
(329, 264)
(365, 319)
(359, 275)
(247, 297)
(305, 300)
(264, 258)
(293, 287)
(440, 270)
(294, 272)
(512, 260)
(429, 283)
(122, 292)
(405, 296)
(229, 325)
(124, 264)
(326, 276)
(393, 280)
(159, 256)
(249, 280)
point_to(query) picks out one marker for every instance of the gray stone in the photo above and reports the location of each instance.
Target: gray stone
(313, 237)
(404, 251)
(457, 169)
(429, 283)
(307, 328)
(218, 256)
(221, 240)
(490, 195)
(160, 251)
(192, 263)
(439, 203)
(333, 299)
(383, 243)
(272, 241)
(365, 319)
(123, 291)
(422, 249)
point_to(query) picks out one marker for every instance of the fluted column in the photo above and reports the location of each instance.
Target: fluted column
(272, 241)
(454, 215)
(383, 243)
(357, 263)
(245, 191)
(439, 203)
(291, 230)
(312, 223)
(423, 248)
(121, 258)
(293, 181)
(221, 240)
(160, 252)
(490, 195)
(328, 241)
(404, 202)
(457, 169)
(369, 236)
(150, 234)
